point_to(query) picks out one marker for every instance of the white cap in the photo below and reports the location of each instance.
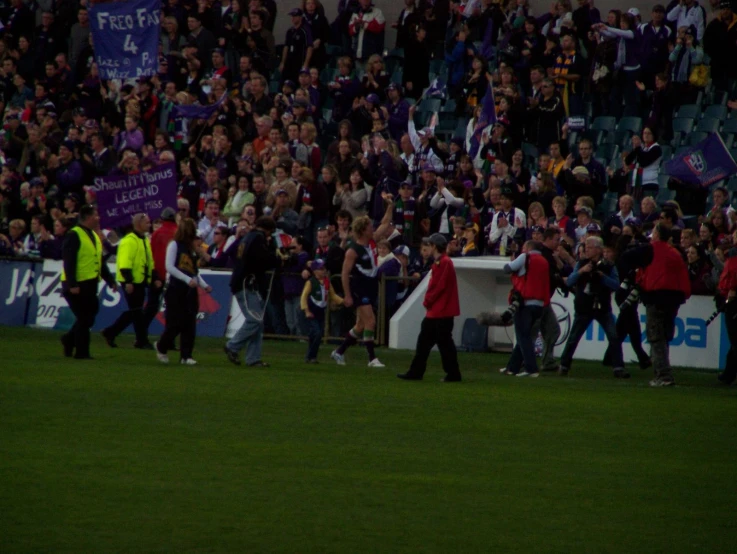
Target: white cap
(634, 12)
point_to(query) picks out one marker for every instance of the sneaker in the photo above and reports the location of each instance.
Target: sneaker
(563, 371)
(530, 375)
(232, 355)
(163, 358)
(505, 371)
(188, 361)
(662, 382)
(620, 373)
(376, 363)
(108, 339)
(339, 358)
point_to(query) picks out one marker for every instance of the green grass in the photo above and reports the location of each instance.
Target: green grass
(125, 455)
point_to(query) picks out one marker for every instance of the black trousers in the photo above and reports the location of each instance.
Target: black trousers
(152, 304)
(435, 332)
(134, 314)
(182, 306)
(628, 324)
(730, 370)
(84, 306)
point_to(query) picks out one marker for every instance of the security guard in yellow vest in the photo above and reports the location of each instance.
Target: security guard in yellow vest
(135, 265)
(83, 269)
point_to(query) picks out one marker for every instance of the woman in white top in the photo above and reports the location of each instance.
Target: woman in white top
(449, 203)
(182, 296)
(645, 162)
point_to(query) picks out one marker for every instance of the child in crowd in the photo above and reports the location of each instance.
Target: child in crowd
(317, 296)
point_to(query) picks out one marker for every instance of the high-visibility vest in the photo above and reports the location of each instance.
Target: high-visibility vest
(89, 256)
(134, 253)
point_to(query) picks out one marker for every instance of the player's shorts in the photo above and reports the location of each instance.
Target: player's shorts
(365, 292)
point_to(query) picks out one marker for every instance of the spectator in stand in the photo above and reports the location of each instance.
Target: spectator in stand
(699, 271)
(366, 26)
(688, 13)
(685, 55)
(210, 222)
(720, 44)
(415, 76)
(298, 47)
(568, 72)
(50, 246)
(353, 195)
(314, 15)
(584, 17)
(548, 114)
(720, 201)
(654, 38)
(507, 227)
(649, 213)
(616, 223)
(626, 65)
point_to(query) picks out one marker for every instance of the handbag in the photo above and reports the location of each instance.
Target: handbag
(699, 76)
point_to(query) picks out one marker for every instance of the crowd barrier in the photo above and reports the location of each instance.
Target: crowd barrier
(31, 294)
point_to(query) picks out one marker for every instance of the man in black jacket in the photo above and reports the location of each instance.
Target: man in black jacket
(250, 285)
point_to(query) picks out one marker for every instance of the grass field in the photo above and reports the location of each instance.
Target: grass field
(122, 454)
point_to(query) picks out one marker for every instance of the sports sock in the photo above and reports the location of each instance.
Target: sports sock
(350, 339)
(368, 341)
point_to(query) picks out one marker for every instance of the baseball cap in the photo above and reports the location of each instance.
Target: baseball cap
(580, 170)
(373, 98)
(429, 167)
(406, 184)
(68, 144)
(507, 192)
(317, 264)
(394, 86)
(458, 141)
(168, 214)
(436, 239)
(296, 12)
(426, 132)
(288, 83)
(468, 184)
(634, 12)
(79, 111)
(585, 210)
(401, 251)
(725, 5)
(280, 192)
(536, 229)
(593, 228)
(304, 71)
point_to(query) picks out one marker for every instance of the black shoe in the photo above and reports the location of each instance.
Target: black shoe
(451, 379)
(146, 346)
(563, 371)
(409, 377)
(646, 363)
(68, 347)
(232, 356)
(621, 374)
(312, 361)
(108, 339)
(258, 364)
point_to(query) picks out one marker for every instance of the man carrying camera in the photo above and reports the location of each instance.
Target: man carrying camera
(593, 280)
(665, 285)
(531, 282)
(249, 284)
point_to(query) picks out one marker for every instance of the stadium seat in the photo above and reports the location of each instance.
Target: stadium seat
(631, 124)
(604, 123)
(663, 181)
(730, 126)
(708, 125)
(691, 111)
(680, 150)
(449, 106)
(716, 112)
(667, 152)
(696, 137)
(732, 184)
(530, 152)
(682, 126)
(430, 105)
(733, 151)
(728, 140)
(397, 76)
(607, 151)
(333, 50)
(395, 53)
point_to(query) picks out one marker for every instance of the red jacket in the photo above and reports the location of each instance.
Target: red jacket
(535, 283)
(441, 298)
(159, 241)
(667, 271)
(728, 279)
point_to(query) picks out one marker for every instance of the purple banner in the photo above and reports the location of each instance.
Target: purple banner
(704, 164)
(120, 197)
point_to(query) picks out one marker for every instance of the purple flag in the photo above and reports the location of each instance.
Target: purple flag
(196, 111)
(486, 118)
(120, 197)
(701, 165)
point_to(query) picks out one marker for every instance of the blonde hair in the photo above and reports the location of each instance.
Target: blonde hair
(535, 206)
(311, 131)
(560, 200)
(360, 224)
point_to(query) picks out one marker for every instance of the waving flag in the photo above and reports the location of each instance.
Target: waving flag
(198, 111)
(701, 165)
(486, 118)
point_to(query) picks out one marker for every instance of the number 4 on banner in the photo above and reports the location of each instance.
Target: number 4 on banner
(129, 46)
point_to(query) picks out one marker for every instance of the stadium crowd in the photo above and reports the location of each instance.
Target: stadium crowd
(329, 123)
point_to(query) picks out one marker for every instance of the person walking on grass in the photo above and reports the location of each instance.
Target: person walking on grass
(181, 296)
(442, 305)
(317, 296)
(83, 268)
